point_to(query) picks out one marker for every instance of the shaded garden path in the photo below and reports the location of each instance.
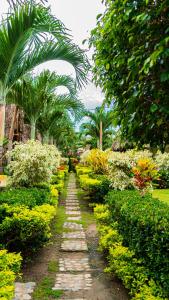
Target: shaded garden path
(73, 256)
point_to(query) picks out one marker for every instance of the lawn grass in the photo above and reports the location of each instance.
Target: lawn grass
(163, 195)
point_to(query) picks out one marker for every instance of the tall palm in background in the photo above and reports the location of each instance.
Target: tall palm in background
(61, 107)
(99, 120)
(33, 94)
(25, 43)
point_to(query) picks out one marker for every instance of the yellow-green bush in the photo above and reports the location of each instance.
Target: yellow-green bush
(123, 261)
(59, 186)
(10, 264)
(98, 161)
(54, 192)
(81, 170)
(87, 183)
(24, 230)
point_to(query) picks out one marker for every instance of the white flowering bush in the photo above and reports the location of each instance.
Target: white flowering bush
(120, 167)
(84, 157)
(32, 163)
(162, 162)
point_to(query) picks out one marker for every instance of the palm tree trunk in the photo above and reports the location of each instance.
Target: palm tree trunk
(101, 135)
(2, 134)
(33, 129)
(11, 132)
(46, 138)
(98, 143)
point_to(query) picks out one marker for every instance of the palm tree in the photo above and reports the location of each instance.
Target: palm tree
(61, 106)
(33, 93)
(25, 43)
(98, 127)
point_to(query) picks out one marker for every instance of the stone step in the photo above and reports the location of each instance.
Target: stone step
(70, 207)
(72, 226)
(76, 218)
(74, 245)
(23, 291)
(74, 235)
(73, 212)
(72, 282)
(74, 264)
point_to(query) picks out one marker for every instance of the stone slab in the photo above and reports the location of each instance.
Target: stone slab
(71, 282)
(70, 207)
(74, 245)
(75, 218)
(72, 226)
(73, 212)
(23, 291)
(74, 264)
(74, 235)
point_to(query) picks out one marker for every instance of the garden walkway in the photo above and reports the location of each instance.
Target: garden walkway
(80, 274)
(74, 276)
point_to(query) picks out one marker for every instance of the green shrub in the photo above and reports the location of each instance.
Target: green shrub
(99, 191)
(25, 230)
(144, 225)
(24, 196)
(88, 183)
(123, 261)
(9, 268)
(81, 170)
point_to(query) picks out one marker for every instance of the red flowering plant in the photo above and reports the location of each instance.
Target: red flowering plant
(145, 172)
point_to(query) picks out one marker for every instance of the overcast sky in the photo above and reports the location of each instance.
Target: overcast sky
(80, 17)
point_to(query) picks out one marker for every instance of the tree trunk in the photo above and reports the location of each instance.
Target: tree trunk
(101, 135)
(11, 132)
(46, 138)
(33, 129)
(2, 134)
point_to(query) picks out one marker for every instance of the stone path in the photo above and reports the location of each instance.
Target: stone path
(74, 277)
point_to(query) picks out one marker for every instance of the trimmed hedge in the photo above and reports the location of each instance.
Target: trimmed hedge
(144, 224)
(24, 230)
(123, 261)
(24, 196)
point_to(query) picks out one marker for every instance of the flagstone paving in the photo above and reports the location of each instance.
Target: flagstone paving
(73, 226)
(74, 251)
(74, 235)
(23, 291)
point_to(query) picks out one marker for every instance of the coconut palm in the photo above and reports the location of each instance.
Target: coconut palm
(25, 43)
(33, 93)
(91, 128)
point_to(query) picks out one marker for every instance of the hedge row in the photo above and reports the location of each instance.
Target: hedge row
(143, 223)
(123, 261)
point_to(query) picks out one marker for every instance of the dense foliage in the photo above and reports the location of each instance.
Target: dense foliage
(131, 54)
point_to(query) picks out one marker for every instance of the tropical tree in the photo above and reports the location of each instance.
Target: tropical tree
(55, 111)
(131, 54)
(33, 93)
(28, 37)
(98, 129)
